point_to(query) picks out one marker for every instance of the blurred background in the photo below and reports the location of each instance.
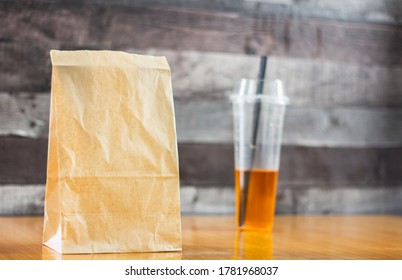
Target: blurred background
(341, 63)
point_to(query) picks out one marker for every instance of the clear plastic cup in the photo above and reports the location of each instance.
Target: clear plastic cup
(258, 112)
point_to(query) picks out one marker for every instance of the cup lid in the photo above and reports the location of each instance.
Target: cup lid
(263, 90)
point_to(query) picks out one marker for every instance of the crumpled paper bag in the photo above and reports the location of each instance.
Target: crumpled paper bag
(112, 176)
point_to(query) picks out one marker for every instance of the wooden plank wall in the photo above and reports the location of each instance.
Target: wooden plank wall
(340, 61)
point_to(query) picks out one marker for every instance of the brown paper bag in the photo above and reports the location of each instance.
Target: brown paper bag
(112, 178)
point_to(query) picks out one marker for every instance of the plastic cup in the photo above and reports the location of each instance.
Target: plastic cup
(258, 114)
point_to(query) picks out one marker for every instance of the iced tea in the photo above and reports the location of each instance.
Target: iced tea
(260, 198)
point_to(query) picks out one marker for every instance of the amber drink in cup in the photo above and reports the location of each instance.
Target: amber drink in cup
(258, 114)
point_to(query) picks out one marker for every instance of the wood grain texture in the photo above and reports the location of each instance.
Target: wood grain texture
(29, 200)
(308, 82)
(24, 115)
(340, 62)
(22, 200)
(210, 237)
(385, 11)
(210, 121)
(44, 25)
(349, 126)
(23, 161)
(212, 164)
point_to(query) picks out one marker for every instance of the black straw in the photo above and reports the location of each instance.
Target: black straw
(256, 120)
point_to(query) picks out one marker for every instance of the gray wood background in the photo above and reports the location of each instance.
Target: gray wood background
(341, 62)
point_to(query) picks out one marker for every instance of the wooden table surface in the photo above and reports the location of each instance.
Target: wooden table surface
(216, 237)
